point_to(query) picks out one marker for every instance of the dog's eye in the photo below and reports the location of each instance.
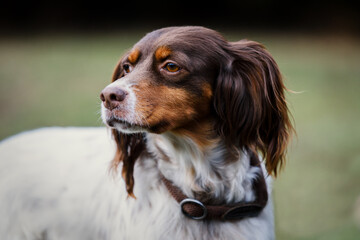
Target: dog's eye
(172, 67)
(127, 68)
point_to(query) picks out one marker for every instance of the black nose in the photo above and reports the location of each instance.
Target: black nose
(112, 97)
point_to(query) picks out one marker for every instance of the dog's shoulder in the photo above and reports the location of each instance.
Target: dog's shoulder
(53, 181)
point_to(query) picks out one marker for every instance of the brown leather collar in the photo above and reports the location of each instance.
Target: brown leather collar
(197, 210)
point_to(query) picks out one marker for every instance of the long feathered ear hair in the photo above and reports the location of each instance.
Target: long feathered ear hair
(129, 147)
(249, 100)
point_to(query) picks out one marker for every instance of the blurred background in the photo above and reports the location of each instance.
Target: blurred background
(56, 57)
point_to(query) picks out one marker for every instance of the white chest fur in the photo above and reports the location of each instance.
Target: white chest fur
(55, 184)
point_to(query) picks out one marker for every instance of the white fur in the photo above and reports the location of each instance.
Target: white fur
(55, 185)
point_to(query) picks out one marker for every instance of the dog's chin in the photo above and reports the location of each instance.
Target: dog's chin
(124, 126)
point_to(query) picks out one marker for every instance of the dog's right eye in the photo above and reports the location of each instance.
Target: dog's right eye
(127, 68)
(172, 67)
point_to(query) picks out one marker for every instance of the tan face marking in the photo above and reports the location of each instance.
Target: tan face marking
(174, 107)
(158, 104)
(207, 91)
(162, 52)
(134, 56)
(201, 132)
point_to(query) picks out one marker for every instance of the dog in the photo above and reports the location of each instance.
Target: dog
(198, 126)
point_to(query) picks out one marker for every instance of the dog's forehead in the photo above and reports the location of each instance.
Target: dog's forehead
(159, 38)
(177, 38)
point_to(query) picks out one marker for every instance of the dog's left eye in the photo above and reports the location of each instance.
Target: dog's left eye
(172, 67)
(127, 68)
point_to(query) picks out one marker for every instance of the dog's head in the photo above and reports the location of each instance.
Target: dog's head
(190, 80)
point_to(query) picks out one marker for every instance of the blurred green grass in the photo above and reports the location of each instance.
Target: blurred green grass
(56, 80)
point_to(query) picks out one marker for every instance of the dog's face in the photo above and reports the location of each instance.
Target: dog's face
(190, 80)
(164, 82)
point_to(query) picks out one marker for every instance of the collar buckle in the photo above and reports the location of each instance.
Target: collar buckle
(193, 206)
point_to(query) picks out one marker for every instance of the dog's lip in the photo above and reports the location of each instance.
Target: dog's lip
(114, 122)
(112, 119)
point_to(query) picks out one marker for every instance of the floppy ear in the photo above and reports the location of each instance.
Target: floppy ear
(129, 147)
(250, 103)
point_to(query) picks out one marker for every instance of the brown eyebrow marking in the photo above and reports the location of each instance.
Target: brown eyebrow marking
(134, 56)
(162, 52)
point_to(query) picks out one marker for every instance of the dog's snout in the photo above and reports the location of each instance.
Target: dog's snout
(112, 97)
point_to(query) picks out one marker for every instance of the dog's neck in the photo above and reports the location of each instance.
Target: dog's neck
(204, 169)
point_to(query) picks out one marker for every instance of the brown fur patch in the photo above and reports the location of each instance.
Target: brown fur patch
(117, 72)
(165, 108)
(134, 56)
(172, 105)
(162, 52)
(207, 91)
(202, 133)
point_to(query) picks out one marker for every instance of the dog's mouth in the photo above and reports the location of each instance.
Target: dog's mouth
(112, 122)
(122, 120)
(124, 126)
